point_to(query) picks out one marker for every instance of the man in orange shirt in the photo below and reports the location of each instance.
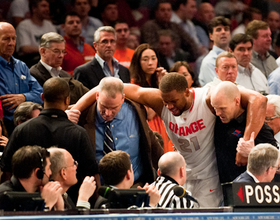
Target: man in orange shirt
(78, 52)
(122, 53)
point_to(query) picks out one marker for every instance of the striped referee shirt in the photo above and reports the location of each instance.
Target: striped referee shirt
(165, 185)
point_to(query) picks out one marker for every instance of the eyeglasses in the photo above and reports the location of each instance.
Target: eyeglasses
(269, 119)
(75, 164)
(58, 52)
(104, 42)
(277, 168)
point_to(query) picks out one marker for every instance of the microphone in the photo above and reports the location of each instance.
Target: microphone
(181, 192)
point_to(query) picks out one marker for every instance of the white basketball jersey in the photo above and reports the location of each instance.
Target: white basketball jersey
(192, 134)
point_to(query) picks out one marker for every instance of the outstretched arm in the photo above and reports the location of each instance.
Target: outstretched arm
(147, 96)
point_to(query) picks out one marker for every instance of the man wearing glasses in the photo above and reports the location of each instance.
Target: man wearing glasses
(262, 165)
(273, 115)
(52, 51)
(229, 129)
(103, 63)
(64, 169)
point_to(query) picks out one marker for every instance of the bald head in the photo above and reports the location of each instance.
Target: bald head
(225, 99)
(111, 86)
(7, 40)
(170, 163)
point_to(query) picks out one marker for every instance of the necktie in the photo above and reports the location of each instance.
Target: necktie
(108, 139)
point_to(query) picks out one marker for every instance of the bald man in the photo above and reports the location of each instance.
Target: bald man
(16, 83)
(172, 173)
(229, 128)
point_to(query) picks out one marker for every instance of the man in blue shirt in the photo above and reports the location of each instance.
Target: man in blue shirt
(16, 83)
(219, 32)
(128, 128)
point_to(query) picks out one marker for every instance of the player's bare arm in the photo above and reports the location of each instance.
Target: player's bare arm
(146, 96)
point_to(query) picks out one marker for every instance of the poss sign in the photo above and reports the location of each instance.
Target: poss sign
(251, 194)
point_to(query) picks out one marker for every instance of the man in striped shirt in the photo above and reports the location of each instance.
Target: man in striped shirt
(172, 174)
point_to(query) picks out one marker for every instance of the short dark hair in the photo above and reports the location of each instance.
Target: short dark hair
(24, 111)
(253, 27)
(161, 2)
(28, 158)
(176, 4)
(73, 2)
(114, 166)
(71, 13)
(34, 3)
(104, 3)
(55, 90)
(219, 20)
(248, 14)
(173, 81)
(239, 38)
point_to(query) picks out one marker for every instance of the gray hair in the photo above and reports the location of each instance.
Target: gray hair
(261, 158)
(274, 100)
(49, 38)
(103, 28)
(24, 111)
(112, 86)
(57, 160)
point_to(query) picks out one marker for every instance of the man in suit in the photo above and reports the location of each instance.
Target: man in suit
(263, 162)
(52, 51)
(103, 63)
(128, 129)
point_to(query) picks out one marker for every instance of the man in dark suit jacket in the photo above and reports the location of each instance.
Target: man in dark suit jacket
(130, 131)
(52, 51)
(263, 162)
(103, 63)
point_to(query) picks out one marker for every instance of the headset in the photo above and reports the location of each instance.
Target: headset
(40, 173)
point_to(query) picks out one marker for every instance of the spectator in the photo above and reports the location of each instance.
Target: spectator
(78, 52)
(249, 14)
(241, 45)
(272, 116)
(26, 111)
(116, 170)
(274, 82)
(52, 51)
(17, 85)
(184, 69)
(31, 172)
(229, 128)
(103, 64)
(168, 54)
(172, 173)
(147, 73)
(89, 24)
(262, 165)
(55, 130)
(18, 11)
(149, 31)
(30, 31)
(261, 58)
(64, 168)
(273, 20)
(219, 32)
(133, 40)
(122, 53)
(109, 12)
(204, 15)
(183, 13)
